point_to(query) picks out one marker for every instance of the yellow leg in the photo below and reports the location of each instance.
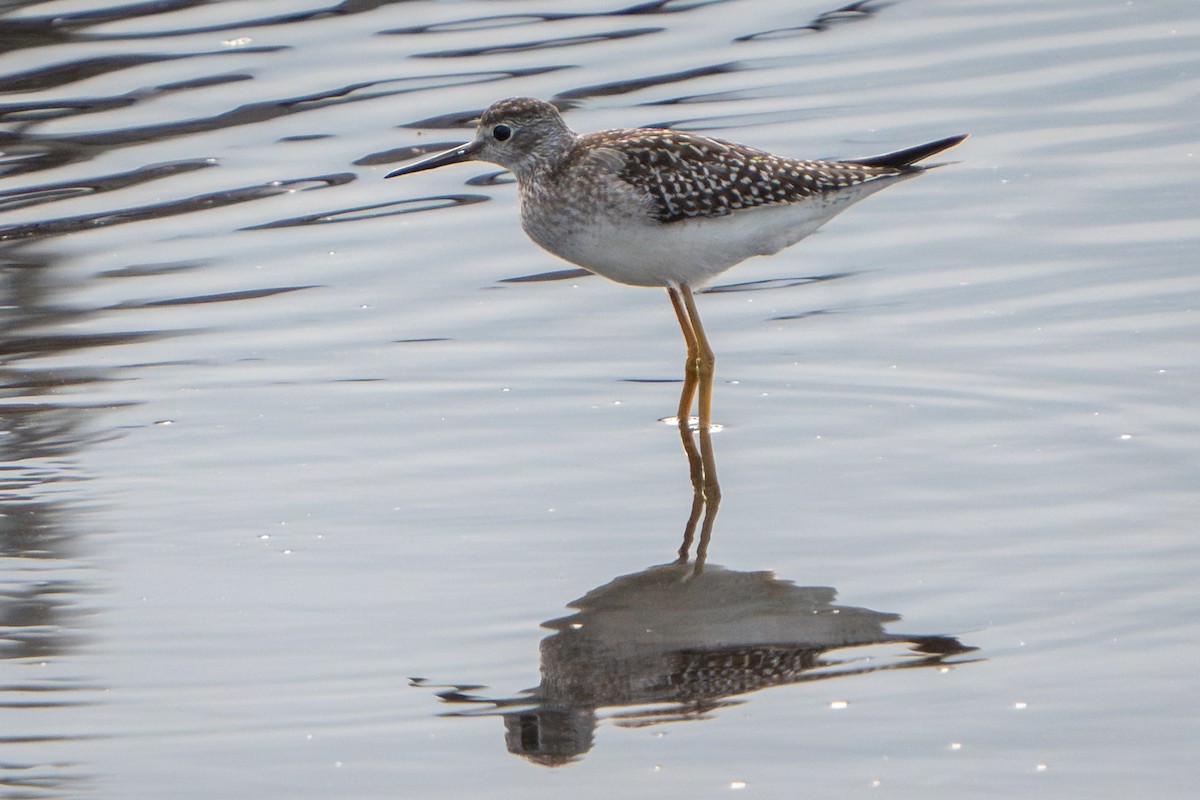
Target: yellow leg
(690, 374)
(705, 360)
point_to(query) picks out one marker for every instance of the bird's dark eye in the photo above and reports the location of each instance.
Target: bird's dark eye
(501, 133)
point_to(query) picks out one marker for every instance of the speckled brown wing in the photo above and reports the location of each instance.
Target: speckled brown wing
(687, 176)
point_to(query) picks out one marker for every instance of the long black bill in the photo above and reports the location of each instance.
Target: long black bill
(459, 154)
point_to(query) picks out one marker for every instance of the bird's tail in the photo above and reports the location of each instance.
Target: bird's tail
(907, 158)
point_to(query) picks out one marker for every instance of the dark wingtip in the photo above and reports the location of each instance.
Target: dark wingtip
(910, 156)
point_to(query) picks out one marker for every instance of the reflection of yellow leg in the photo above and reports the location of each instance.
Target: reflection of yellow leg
(712, 496)
(696, 468)
(706, 493)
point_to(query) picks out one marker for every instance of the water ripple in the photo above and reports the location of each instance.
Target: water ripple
(226, 197)
(374, 210)
(540, 44)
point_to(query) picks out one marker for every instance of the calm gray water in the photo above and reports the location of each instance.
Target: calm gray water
(301, 497)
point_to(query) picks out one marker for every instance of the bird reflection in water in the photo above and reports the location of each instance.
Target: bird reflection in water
(672, 643)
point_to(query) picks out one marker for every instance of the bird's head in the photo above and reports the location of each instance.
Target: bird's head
(517, 134)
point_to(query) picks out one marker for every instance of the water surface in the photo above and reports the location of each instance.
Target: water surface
(303, 496)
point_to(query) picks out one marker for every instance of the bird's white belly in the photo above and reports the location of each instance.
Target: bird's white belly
(640, 251)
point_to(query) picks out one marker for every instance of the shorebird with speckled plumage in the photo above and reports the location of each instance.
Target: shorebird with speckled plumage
(652, 207)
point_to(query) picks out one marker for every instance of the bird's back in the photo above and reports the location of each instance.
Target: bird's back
(685, 176)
